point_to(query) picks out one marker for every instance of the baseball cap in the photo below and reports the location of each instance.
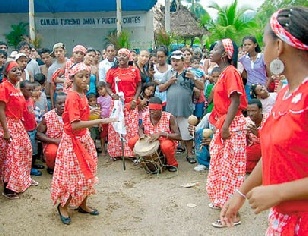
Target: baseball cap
(57, 45)
(177, 54)
(20, 55)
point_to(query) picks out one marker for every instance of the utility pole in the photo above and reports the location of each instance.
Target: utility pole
(167, 16)
(31, 21)
(119, 17)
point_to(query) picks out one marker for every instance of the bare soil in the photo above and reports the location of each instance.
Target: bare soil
(130, 202)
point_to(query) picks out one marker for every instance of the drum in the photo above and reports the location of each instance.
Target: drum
(149, 155)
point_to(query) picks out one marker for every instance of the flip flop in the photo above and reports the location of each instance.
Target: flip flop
(212, 206)
(10, 196)
(34, 183)
(218, 224)
(191, 160)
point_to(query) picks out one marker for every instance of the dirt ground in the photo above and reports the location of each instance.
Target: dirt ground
(130, 202)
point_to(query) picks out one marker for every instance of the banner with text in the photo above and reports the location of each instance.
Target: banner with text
(93, 22)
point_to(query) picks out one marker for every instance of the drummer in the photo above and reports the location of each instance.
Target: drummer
(159, 125)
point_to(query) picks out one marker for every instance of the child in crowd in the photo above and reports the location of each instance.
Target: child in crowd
(267, 99)
(30, 124)
(147, 92)
(104, 102)
(199, 98)
(3, 58)
(208, 88)
(94, 130)
(22, 61)
(39, 93)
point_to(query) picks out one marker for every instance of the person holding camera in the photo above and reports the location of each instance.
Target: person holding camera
(181, 82)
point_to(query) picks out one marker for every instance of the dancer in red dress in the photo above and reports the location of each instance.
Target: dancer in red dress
(15, 146)
(75, 168)
(280, 179)
(128, 81)
(228, 147)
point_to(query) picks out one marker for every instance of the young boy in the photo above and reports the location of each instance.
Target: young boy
(94, 130)
(104, 102)
(39, 93)
(29, 121)
(208, 88)
(22, 60)
(199, 98)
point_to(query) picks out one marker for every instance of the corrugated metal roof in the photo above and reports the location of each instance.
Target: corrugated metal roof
(53, 6)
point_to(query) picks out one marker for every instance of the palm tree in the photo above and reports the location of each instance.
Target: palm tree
(230, 23)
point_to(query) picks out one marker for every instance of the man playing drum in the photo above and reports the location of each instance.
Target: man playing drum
(159, 125)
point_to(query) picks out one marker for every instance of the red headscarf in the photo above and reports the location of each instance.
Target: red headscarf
(285, 35)
(11, 65)
(228, 45)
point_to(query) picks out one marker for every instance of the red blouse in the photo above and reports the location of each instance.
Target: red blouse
(13, 99)
(284, 142)
(128, 80)
(76, 108)
(229, 81)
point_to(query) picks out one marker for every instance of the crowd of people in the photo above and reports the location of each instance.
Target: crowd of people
(243, 99)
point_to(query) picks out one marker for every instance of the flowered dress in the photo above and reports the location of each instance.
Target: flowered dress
(16, 156)
(76, 162)
(228, 157)
(285, 158)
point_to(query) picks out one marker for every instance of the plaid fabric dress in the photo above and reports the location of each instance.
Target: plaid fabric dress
(54, 125)
(16, 156)
(69, 179)
(114, 141)
(228, 163)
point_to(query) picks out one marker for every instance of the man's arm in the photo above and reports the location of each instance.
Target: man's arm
(41, 130)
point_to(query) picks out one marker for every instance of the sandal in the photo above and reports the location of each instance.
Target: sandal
(218, 224)
(34, 183)
(191, 160)
(93, 212)
(11, 196)
(212, 206)
(180, 150)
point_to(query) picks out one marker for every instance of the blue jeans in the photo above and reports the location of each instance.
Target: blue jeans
(202, 152)
(247, 91)
(32, 136)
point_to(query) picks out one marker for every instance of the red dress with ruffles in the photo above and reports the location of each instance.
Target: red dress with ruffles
(228, 157)
(76, 162)
(16, 156)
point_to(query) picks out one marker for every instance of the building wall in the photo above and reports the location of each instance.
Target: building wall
(88, 28)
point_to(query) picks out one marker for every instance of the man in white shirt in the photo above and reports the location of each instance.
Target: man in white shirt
(106, 64)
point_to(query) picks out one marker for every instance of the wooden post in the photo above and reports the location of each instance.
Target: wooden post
(31, 21)
(167, 16)
(119, 17)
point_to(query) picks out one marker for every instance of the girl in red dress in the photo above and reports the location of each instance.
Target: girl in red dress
(75, 167)
(15, 146)
(279, 181)
(228, 147)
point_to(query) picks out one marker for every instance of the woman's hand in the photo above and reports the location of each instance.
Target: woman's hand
(225, 133)
(263, 197)
(108, 120)
(229, 211)
(133, 104)
(7, 136)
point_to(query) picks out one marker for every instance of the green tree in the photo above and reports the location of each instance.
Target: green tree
(230, 23)
(17, 34)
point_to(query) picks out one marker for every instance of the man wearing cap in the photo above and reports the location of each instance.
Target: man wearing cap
(32, 65)
(180, 86)
(58, 52)
(162, 126)
(106, 64)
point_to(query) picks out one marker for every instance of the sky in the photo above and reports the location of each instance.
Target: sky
(252, 4)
